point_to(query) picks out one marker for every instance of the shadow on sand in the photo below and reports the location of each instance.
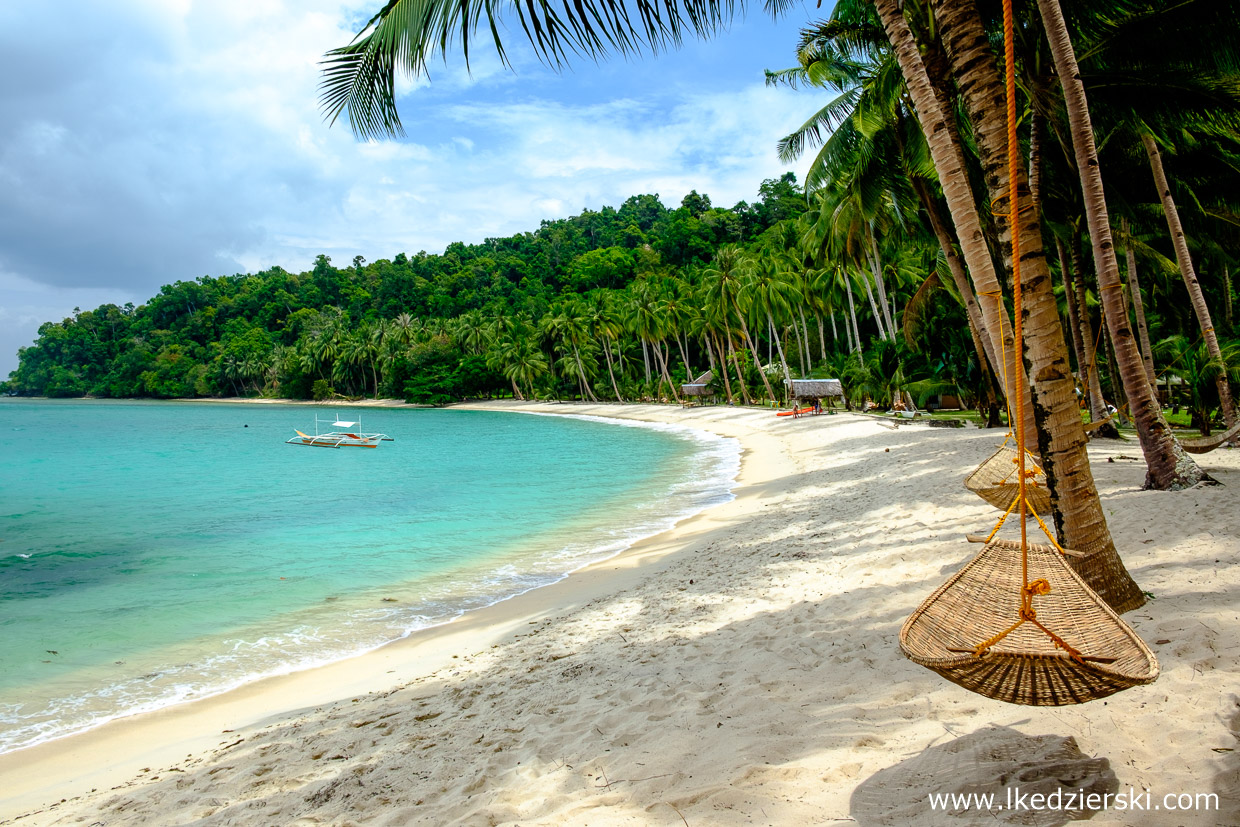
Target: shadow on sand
(996, 762)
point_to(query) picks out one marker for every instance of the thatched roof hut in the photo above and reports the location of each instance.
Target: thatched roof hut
(698, 387)
(816, 388)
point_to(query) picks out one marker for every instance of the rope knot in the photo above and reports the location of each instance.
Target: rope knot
(1038, 587)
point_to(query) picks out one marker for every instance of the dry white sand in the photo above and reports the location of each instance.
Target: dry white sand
(742, 668)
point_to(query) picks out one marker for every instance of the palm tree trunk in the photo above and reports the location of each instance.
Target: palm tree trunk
(1069, 297)
(878, 316)
(581, 371)
(753, 351)
(610, 374)
(1089, 368)
(684, 355)
(646, 360)
(1227, 298)
(1190, 275)
(663, 357)
(835, 336)
(723, 370)
(808, 367)
(1078, 514)
(852, 311)
(516, 392)
(822, 335)
(947, 153)
(740, 377)
(1117, 384)
(780, 347)
(947, 243)
(1168, 465)
(1138, 307)
(876, 262)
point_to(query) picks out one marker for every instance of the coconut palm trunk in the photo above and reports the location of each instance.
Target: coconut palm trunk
(581, 371)
(1078, 514)
(665, 353)
(723, 370)
(878, 316)
(779, 346)
(876, 264)
(610, 373)
(1190, 275)
(1138, 308)
(808, 366)
(1089, 367)
(947, 243)
(740, 377)
(1069, 299)
(1227, 303)
(1168, 466)
(852, 312)
(753, 351)
(948, 156)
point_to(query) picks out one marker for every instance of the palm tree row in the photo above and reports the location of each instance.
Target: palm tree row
(916, 151)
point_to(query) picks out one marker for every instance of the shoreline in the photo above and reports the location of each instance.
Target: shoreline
(119, 750)
(739, 668)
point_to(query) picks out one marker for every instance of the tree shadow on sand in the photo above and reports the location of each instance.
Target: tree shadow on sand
(995, 761)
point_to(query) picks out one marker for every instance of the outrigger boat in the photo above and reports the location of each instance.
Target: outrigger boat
(351, 437)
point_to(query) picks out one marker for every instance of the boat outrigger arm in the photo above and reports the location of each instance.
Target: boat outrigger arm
(352, 437)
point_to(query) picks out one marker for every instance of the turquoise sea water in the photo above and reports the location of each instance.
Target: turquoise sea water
(155, 552)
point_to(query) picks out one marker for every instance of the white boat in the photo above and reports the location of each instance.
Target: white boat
(350, 437)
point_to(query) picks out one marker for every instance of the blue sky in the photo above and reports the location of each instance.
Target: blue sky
(162, 140)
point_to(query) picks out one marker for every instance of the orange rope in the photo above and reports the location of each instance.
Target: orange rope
(1013, 147)
(1038, 587)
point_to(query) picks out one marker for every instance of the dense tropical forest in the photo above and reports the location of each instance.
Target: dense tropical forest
(890, 268)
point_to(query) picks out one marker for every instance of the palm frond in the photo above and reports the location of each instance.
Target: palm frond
(406, 34)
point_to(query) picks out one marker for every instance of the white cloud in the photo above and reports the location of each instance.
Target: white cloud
(185, 139)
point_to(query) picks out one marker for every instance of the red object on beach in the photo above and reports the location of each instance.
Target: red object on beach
(797, 412)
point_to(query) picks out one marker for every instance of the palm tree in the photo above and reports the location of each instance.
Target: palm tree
(1188, 273)
(1078, 512)
(768, 292)
(721, 284)
(604, 326)
(1138, 305)
(947, 154)
(1168, 466)
(569, 322)
(1200, 372)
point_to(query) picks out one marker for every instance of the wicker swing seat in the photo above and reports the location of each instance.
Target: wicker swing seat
(997, 481)
(1026, 666)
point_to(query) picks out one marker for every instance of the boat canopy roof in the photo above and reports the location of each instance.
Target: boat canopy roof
(343, 424)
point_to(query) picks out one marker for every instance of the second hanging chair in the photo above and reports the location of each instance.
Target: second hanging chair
(997, 480)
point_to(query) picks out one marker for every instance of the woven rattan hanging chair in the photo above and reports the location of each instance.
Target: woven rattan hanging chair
(1027, 666)
(997, 480)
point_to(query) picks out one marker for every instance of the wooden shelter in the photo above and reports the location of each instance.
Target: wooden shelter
(816, 388)
(699, 386)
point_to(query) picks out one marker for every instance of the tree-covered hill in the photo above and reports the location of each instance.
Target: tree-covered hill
(444, 324)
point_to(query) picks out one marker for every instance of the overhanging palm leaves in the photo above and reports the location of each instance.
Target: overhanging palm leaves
(406, 34)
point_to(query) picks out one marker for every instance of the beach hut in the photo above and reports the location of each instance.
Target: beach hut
(816, 388)
(699, 387)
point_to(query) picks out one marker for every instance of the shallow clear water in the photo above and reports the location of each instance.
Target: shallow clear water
(156, 552)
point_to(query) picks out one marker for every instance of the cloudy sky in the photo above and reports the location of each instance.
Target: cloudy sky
(149, 141)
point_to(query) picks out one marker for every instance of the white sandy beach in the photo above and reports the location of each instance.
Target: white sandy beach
(742, 668)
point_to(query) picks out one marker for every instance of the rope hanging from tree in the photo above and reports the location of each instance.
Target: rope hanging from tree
(1042, 637)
